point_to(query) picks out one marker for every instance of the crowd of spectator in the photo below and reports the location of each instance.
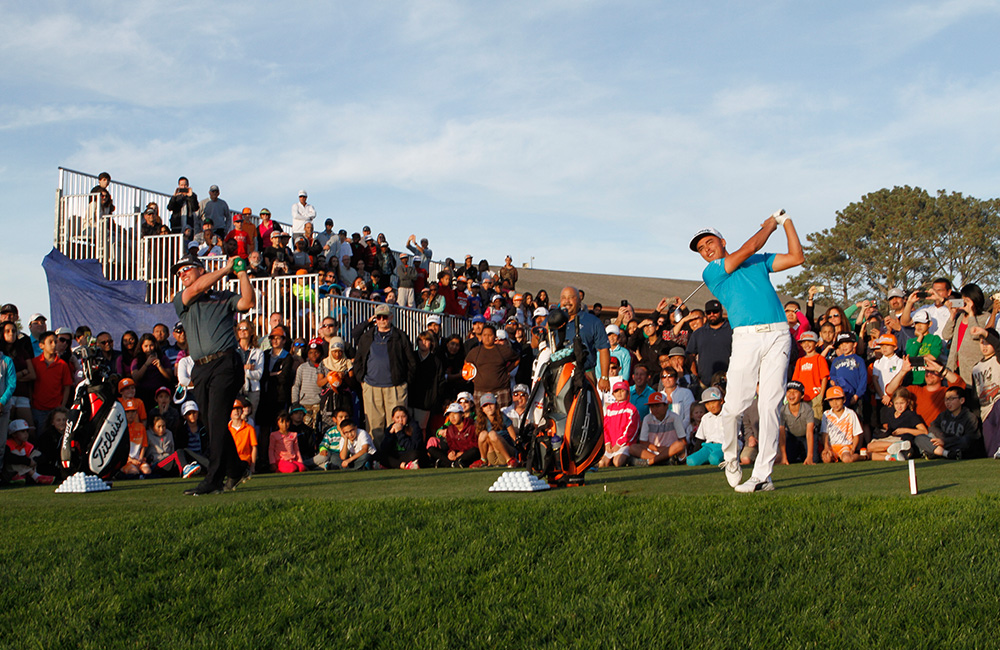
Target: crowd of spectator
(871, 382)
(912, 374)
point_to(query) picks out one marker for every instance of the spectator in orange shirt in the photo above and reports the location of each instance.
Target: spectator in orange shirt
(813, 372)
(244, 436)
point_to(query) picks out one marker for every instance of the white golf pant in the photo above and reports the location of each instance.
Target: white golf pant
(758, 364)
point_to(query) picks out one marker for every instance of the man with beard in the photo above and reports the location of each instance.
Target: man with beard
(711, 345)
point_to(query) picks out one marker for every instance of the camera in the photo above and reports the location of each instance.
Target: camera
(923, 294)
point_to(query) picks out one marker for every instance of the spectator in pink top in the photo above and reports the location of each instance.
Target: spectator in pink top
(284, 452)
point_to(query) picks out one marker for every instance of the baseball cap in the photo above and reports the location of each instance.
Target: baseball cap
(35, 317)
(124, 383)
(433, 319)
(713, 306)
(613, 329)
(520, 388)
(834, 392)
(466, 395)
(188, 407)
(17, 425)
(9, 308)
(676, 351)
(403, 254)
(809, 336)
(711, 394)
(179, 326)
(658, 397)
(214, 188)
(704, 232)
(454, 407)
(64, 330)
(131, 404)
(922, 317)
(846, 337)
(487, 398)
(185, 262)
(162, 389)
(540, 311)
(796, 385)
(328, 222)
(886, 339)
(619, 385)
(895, 292)
(382, 310)
(298, 408)
(240, 402)
(264, 211)
(303, 193)
(478, 318)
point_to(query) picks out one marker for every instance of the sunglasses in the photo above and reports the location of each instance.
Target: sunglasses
(243, 329)
(380, 317)
(104, 342)
(65, 339)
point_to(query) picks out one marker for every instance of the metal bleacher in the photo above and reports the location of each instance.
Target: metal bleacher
(81, 233)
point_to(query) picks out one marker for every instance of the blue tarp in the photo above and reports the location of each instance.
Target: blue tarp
(79, 294)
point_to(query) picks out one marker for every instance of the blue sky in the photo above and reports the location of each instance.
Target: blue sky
(591, 136)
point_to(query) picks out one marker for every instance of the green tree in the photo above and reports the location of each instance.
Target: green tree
(902, 237)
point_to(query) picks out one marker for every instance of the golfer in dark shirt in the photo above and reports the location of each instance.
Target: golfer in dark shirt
(208, 315)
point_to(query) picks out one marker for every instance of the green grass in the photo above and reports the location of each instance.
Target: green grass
(838, 556)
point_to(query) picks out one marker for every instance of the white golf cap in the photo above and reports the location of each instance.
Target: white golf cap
(434, 319)
(922, 316)
(454, 407)
(303, 193)
(896, 292)
(704, 232)
(613, 329)
(540, 311)
(35, 317)
(520, 388)
(189, 406)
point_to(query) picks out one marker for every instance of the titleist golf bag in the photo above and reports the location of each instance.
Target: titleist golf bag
(96, 438)
(562, 433)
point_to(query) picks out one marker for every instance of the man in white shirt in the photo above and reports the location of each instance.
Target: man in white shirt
(938, 311)
(302, 213)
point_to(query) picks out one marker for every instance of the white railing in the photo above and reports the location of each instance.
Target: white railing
(127, 198)
(118, 246)
(351, 311)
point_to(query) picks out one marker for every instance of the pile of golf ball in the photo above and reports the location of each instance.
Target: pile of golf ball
(518, 482)
(80, 483)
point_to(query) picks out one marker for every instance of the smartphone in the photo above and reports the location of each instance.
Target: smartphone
(957, 303)
(624, 303)
(916, 362)
(822, 289)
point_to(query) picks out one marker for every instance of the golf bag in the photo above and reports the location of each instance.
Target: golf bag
(562, 434)
(96, 437)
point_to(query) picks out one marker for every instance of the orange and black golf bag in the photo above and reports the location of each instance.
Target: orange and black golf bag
(562, 434)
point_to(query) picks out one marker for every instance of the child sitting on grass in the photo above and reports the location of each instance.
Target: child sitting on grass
(900, 424)
(495, 435)
(455, 444)
(662, 438)
(621, 424)
(284, 448)
(954, 432)
(841, 429)
(328, 456)
(710, 430)
(136, 463)
(244, 436)
(357, 447)
(402, 443)
(22, 457)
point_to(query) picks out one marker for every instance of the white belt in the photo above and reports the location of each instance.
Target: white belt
(760, 329)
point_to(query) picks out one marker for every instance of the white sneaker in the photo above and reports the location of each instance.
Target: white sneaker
(997, 455)
(734, 473)
(893, 449)
(756, 485)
